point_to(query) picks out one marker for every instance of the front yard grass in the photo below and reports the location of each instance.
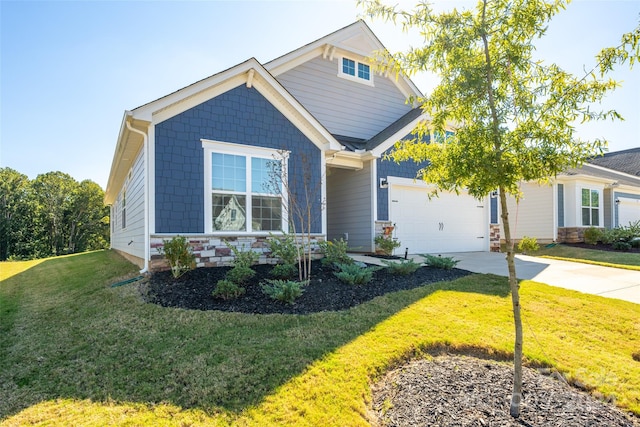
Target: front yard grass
(626, 260)
(76, 351)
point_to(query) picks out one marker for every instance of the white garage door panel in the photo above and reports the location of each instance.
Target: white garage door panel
(448, 223)
(628, 211)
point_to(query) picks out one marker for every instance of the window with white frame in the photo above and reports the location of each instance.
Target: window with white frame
(244, 193)
(355, 70)
(590, 207)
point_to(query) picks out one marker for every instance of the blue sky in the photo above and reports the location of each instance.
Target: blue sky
(69, 69)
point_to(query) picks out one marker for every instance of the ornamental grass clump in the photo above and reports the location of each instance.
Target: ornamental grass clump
(283, 290)
(178, 253)
(402, 268)
(355, 274)
(443, 262)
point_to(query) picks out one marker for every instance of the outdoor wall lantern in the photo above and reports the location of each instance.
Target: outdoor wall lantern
(384, 183)
(617, 201)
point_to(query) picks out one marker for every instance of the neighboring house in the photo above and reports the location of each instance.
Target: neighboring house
(604, 193)
(194, 162)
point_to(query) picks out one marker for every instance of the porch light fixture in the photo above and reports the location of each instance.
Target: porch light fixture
(617, 201)
(384, 183)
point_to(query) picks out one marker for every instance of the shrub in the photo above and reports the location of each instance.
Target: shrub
(179, 255)
(284, 271)
(402, 268)
(243, 258)
(528, 244)
(284, 248)
(240, 274)
(226, 289)
(354, 274)
(283, 290)
(445, 263)
(335, 252)
(593, 235)
(621, 246)
(386, 244)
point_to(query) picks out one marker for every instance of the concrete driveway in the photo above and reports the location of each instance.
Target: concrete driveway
(590, 279)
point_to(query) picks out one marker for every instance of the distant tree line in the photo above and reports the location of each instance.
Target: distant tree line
(51, 215)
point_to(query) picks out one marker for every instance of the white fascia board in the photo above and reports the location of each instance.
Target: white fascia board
(384, 146)
(197, 93)
(127, 148)
(191, 96)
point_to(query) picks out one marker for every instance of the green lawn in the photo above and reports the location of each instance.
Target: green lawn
(76, 351)
(627, 260)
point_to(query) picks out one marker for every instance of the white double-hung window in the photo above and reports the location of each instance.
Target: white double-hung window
(243, 188)
(590, 207)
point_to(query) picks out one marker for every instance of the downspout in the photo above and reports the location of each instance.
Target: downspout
(145, 141)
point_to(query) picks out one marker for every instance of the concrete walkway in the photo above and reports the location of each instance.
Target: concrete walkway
(592, 279)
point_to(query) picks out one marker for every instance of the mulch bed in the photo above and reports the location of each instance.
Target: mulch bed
(446, 391)
(468, 391)
(324, 293)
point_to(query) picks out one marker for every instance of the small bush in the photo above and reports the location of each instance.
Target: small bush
(621, 246)
(354, 274)
(593, 235)
(445, 263)
(386, 244)
(226, 289)
(243, 258)
(283, 290)
(240, 274)
(179, 255)
(284, 248)
(284, 271)
(402, 268)
(335, 252)
(528, 244)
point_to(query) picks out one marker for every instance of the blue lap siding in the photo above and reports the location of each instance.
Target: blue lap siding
(243, 116)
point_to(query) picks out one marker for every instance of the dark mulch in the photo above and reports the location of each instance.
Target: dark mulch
(467, 391)
(324, 293)
(601, 247)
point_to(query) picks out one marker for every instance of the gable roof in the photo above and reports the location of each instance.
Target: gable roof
(356, 38)
(136, 123)
(627, 161)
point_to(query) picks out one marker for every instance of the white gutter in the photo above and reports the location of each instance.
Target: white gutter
(145, 145)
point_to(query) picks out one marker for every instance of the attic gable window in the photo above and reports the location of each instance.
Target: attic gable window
(355, 70)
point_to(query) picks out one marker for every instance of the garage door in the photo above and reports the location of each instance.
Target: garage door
(448, 223)
(628, 211)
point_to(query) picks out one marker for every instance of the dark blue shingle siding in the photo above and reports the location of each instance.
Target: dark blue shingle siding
(241, 115)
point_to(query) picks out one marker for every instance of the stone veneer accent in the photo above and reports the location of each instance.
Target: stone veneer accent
(211, 251)
(571, 234)
(494, 237)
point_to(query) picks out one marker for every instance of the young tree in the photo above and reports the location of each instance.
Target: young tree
(303, 203)
(512, 116)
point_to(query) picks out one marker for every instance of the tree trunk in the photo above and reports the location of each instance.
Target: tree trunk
(514, 286)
